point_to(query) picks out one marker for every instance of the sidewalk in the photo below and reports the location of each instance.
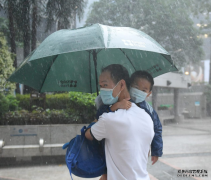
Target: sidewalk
(187, 146)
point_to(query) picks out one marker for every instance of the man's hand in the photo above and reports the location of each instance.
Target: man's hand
(103, 177)
(154, 159)
(124, 104)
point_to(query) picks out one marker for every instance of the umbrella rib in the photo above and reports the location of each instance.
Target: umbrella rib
(128, 58)
(169, 60)
(47, 73)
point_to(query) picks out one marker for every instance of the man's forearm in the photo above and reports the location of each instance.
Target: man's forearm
(88, 134)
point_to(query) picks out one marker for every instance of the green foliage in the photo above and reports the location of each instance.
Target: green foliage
(63, 12)
(6, 66)
(83, 105)
(24, 101)
(7, 103)
(82, 99)
(167, 21)
(13, 102)
(73, 107)
(37, 117)
(57, 101)
(4, 26)
(199, 7)
(4, 105)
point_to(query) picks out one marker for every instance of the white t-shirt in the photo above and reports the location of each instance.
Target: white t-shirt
(128, 135)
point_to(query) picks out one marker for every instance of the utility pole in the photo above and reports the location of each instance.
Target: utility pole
(154, 98)
(210, 64)
(176, 103)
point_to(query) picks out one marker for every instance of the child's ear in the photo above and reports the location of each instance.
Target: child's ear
(149, 93)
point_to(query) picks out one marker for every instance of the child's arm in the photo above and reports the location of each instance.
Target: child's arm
(157, 142)
(123, 104)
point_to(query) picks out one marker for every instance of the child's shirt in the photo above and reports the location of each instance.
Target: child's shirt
(157, 142)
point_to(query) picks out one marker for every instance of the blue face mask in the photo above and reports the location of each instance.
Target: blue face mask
(137, 95)
(107, 97)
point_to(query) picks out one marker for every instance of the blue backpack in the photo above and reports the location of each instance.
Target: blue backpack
(85, 158)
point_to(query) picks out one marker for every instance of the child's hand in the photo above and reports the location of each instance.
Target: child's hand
(154, 159)
(103, 177)
(124, 104)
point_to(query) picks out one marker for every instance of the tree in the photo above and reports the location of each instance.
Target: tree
(23, 22)
(38, 8)
(204, 6)
(22, 19)
(4, 26)
(11, 10)
(64, 12)
(167, 21)
(9, 26)
(34, 25)
(6, 65)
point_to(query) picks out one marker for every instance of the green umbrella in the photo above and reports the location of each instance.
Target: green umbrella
(71, 60)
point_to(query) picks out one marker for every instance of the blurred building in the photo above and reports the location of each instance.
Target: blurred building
(204, 68)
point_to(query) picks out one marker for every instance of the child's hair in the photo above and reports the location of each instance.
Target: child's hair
(144, 75)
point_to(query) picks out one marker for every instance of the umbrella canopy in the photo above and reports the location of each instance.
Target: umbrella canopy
(71, 60)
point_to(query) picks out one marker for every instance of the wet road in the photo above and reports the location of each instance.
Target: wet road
(187, 146)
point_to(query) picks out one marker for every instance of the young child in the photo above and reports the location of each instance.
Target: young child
(141, 88)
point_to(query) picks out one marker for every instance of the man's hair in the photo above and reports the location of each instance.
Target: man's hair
(118, 72)
(144, 75)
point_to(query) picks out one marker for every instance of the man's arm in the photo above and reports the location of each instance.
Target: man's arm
(88, 135)
(97, 131)
(100, 111)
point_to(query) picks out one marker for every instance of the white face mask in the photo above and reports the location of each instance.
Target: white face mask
(137, 95)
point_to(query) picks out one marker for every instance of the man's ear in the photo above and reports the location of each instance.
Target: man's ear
(149, 93)
(123, 84)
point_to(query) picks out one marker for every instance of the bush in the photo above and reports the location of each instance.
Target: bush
(24, 101)
(38, 116)
(57, 101)
(4, 105)
(13, 102)
(7, 103)
(72, 107)
(53, 101)
(83, 105)
(6, 65)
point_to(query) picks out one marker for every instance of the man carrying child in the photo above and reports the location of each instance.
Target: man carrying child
(128, 132)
